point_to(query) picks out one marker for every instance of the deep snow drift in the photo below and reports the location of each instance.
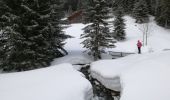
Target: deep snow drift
(60, 82)
(149, 79)
(142, 77)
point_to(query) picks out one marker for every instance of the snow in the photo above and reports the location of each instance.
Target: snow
(126, 74)
(74, 57)
(108, 71)
(74, 48)
(158, 39)
(138, 77)
(74, 43)
(148, 79)
(60, 82)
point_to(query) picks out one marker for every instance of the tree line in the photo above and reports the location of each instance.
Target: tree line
(139, 9)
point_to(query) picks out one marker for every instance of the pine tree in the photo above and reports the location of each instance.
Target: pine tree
(140, 11)
(56, 24)
(28, 34)
(96, 34)
(119, 26)
(163, 13)
(126, 5)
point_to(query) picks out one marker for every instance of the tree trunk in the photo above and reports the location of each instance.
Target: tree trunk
(97, 51)
(143, 39)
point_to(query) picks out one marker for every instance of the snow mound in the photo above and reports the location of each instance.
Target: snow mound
(139, 77)
(61, 82)
(148, 79)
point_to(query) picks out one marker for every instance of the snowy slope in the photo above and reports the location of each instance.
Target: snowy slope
(59, 82)
(140, 77)
(158, 39)
(73, 44)
(74, 48)
(149, 79)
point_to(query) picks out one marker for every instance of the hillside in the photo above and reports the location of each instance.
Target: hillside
(158, 40)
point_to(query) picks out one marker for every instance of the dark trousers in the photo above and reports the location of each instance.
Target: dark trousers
(139, 50)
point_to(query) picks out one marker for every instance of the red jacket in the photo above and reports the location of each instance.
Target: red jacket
(139, 44)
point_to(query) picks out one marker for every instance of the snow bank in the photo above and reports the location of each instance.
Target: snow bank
(148, 79)
(59, 82)
(74, 57)
(108, 71)
(141, 77)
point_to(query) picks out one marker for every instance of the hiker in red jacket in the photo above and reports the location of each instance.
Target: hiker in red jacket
(139, 45)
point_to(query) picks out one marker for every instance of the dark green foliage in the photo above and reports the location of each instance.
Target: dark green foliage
(31, 35)
(126, 5)
(96, 34)
(73, 4)
(119, 26)
(163, 13)
(140, 11)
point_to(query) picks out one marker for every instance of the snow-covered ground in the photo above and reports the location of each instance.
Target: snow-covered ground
(149, 79)
(139, 77)
(74, 48)
(61, 82)
(113, 73)
(158, 40)
(158, 37)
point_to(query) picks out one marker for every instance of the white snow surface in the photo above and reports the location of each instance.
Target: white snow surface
(139, 77)
(158, 40)
(61, 82)
(73, 44)
(158, 37)
(74, 47)
(148, 79)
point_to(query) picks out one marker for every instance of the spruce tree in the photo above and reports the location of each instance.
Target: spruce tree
(119, 26)
(126, 5)
(28, 32)
(56, 24)
(96, 34)
(140, 11)
(163, 13)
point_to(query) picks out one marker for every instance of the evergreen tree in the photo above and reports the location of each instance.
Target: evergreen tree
(56, 24)
(96, 34)
(126, 5)
(28, 34)
(140, 11)
(119, 26)
(163, 13)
